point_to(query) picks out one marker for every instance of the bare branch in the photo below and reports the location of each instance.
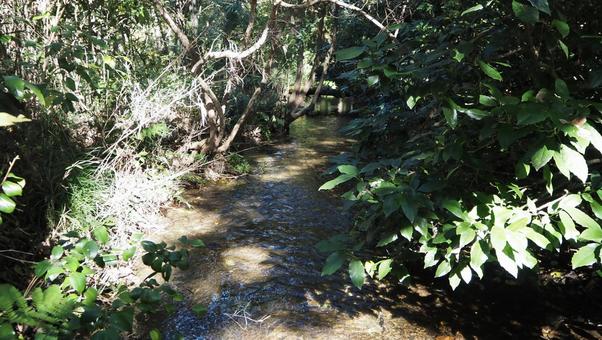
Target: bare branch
(172, 24)
(343, 4)
(243, 54)
(249, 30)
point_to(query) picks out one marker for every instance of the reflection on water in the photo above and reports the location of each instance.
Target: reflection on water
(260, 273)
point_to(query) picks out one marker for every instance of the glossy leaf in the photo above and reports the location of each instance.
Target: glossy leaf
(349, 53)
(541, 157)
(12, 189)
(333, 183)
(77, 281)
(7, 205)
(357, 273)
(585, 256)
(101, 234)
(384, 268)
(333, 263)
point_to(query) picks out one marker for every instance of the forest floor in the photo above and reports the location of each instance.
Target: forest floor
(259, 275)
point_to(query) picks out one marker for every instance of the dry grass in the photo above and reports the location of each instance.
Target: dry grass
(126, 189)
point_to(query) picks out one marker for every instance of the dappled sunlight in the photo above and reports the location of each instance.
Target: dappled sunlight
(246, 264)
(260, 273)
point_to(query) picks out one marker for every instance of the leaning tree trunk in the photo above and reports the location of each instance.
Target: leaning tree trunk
(331, 38)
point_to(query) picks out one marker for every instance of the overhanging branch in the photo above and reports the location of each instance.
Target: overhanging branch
(343, 4)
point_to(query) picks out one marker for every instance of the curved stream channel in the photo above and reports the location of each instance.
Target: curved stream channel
(259, 275)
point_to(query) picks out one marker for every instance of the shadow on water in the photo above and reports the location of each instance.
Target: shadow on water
(260, 273)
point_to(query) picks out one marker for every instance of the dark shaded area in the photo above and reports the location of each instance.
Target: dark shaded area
(45, 150)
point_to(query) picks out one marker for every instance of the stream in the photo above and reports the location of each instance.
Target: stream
(259, 275)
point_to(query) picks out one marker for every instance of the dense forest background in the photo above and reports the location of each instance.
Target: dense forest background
(477, 126)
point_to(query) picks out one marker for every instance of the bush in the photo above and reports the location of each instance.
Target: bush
(481, 143)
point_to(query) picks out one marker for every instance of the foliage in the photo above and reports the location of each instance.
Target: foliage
(239, 164)
(71, 302)
(482, 144)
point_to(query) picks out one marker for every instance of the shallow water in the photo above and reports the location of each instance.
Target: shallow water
(260, 273)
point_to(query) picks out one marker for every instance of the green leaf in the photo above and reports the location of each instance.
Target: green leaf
(466, 237)
(149, 246)
(506, 260)
(333, 263)
(476, 113)
(541, 157)
(128, 253)
(7, 205)
(498, 237)
(562, 27)
(596, 209)
(592, 234)
(474, 8)
(451, 117)
(350, 53)
(521, 170)
(582, 218)
(409, 208)
(333, 183)
(569, 230)
(41, 268)
(56, 253)
(15, 85)
(525, 13)
(199, 310)
(407, 231)
(37, 92)
(12, 189)
(155, 334)
(411, 102)
(517, 241)
(77, 281)
(458, 56)
(384, 268)
(373, 80)
(454, 281)
(90, 296)
(477, 258)
(108, 60)
(541, 5)
(570, 161)
(561, 88)
(537, 238)
(564, 48)
(197, 243)
(443, 268)
(7, 331)
(547, 176)
(490, 71)
(570, 201)
(101, 234)
(90, 249)
(453, 206)
(487, 101)
(594, 136)
(357, 273)
(585, 256)
(466, 274)
(388, 238)
(348, 170)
